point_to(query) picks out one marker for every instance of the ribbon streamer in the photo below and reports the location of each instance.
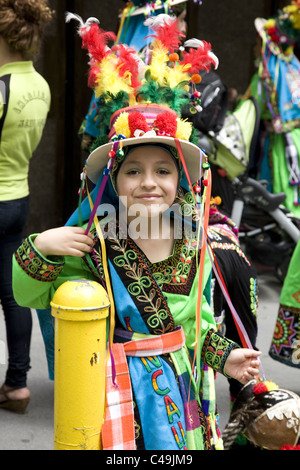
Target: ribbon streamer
(238, 323)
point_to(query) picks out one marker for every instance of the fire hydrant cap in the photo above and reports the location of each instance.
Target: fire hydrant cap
(80, 294)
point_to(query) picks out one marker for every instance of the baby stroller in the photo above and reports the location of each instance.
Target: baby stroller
(268, 232)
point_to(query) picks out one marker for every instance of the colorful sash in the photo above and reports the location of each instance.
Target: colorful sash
(118, 431)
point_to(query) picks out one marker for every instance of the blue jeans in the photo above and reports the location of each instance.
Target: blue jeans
(18, 320)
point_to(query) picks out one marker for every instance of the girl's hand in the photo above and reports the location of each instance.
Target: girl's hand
(242, 364)
(64, 241)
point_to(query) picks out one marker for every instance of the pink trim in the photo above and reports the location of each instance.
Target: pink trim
(150, 111)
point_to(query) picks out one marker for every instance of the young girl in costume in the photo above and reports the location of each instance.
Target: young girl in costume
(157, 266)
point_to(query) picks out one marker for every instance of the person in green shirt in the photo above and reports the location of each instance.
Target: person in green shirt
(24, 105)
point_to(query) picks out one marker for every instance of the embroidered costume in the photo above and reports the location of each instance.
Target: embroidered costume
(166, 347)
(285, 346)
(152, 299)
(276, 89)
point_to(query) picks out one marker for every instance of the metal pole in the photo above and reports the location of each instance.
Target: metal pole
(80, 308)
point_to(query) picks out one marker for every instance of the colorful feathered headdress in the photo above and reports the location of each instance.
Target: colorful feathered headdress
(121, 78)
(283, 30)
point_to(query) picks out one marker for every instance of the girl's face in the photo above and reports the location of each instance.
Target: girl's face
(148, 177)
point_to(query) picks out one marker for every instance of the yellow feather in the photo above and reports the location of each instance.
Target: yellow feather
(184, 129)
(121, 125)
(109, 80)
(159, 61)
(176, 75)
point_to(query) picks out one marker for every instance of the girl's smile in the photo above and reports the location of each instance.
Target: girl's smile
(148, 176)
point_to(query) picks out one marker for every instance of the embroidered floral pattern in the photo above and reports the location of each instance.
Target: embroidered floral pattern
(141, 286)
(176, 274)
(286, 336)
(216, 350)
(35, 265)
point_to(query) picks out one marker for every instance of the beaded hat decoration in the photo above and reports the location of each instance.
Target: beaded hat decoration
(141, 98)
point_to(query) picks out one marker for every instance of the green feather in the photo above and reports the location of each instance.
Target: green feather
(176, 98)
(100, 140)
(194, 138)
(109, 103)
(149, 91)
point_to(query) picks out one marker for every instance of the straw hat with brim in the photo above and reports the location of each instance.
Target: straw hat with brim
(146, 116)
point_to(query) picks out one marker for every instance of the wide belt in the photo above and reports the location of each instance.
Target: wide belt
(118, 428)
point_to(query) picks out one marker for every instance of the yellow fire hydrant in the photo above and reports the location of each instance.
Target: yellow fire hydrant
(80, 308)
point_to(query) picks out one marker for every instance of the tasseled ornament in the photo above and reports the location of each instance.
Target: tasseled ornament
(122, 126)
(120, 78)
(263, 387)
(184, 129)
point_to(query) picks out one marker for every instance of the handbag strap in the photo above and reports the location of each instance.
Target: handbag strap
(4, 90)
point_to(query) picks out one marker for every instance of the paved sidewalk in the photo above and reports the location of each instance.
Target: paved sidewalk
(34, 429)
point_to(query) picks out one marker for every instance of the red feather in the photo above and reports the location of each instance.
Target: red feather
(169, 34)
(92, 76)
(128, 61)
(95, 40)
(198, 58)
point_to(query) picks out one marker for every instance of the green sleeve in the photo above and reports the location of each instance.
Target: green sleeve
(216, 349)
(183, 308)
(36, 278)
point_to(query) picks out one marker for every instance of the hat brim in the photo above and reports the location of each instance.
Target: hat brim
(98, 159)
